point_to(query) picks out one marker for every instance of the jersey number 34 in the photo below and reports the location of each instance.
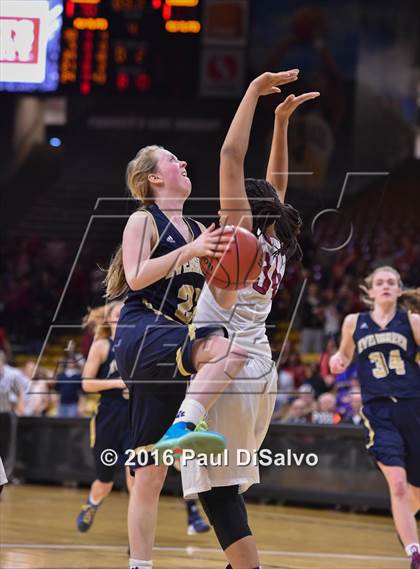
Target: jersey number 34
(382, 368)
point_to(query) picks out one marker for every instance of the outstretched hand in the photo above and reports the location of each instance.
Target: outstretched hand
(291, 103)
(268, 83)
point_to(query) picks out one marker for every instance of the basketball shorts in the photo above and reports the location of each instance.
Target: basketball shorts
(110, 430)
(393, 434)
(243, 414)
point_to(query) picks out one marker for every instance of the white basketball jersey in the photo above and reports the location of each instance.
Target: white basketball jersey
(245, 321)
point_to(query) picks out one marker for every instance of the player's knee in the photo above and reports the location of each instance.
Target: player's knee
(105, 485)
(226, 512)
(151, 479)
(398, 487)
(237, 359)
(235, 355)
(216, 349)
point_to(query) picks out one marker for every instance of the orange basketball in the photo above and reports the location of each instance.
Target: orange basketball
(239, 267)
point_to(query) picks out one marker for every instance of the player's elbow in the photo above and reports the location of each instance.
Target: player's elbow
(87, 386)
(231, 154)
(134, 281)
(133, 284)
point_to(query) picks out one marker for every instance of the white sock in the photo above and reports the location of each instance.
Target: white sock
(94, 502)
(412, 548)
(191, 411)
(139, 564)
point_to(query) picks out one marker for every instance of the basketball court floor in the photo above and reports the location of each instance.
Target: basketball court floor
(38, 531)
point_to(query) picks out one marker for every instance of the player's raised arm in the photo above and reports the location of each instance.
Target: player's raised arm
(343, 357)
(278, 163)
(235, 208)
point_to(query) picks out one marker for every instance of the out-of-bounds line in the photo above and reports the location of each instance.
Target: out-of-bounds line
(191, 550)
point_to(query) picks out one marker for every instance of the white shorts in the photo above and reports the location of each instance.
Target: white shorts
(242, 414)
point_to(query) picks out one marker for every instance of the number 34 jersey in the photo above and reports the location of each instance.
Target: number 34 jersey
(386, 358)
(245, 322)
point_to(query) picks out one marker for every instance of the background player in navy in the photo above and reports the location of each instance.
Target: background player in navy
(157, 348)
(385, 343)
(109, 426)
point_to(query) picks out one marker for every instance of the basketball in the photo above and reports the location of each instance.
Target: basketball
(239, 267)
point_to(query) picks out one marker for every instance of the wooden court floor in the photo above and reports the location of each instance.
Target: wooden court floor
(38, 531)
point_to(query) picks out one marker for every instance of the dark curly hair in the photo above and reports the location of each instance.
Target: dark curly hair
(267, 209)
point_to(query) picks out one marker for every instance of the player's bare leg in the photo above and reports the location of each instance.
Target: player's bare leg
(143, 511)
(243, 553)
(218, 362)
(402, 513)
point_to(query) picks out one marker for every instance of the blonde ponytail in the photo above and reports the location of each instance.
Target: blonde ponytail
(98, 317)
(137, 173)
(410, 300)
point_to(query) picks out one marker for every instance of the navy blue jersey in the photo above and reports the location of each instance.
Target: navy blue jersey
(108, 370)
(177, 294)
(109, 427)
(154, 338)
(386, 358)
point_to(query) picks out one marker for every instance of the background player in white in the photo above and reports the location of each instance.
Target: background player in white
(243, 413)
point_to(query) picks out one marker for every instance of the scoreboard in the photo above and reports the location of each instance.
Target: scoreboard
(134, 46)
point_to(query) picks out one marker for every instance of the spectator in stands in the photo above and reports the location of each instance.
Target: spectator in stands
(13, 385)
(356, 409)
(312, 318)
(5, 344)
(285, 391)
(324, 368)
(332, 318)
(345, 384)
(383, 256)
(305, 407)
(69, 386)
(326, 412)
(326, 403)
(37, 395)
(317, 383)
(73, 354)
(297, 412)
(294, 366)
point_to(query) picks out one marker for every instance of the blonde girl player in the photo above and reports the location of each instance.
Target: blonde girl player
(243, 413)
(384, 341)
(109, 426)
(156, 347)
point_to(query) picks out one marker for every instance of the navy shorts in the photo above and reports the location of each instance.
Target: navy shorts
(393, 434)
(110, 430)
(154, 358)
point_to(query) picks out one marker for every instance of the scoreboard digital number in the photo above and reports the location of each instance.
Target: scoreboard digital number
(133, 46)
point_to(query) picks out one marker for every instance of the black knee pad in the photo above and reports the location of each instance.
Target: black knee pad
(226, 511)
